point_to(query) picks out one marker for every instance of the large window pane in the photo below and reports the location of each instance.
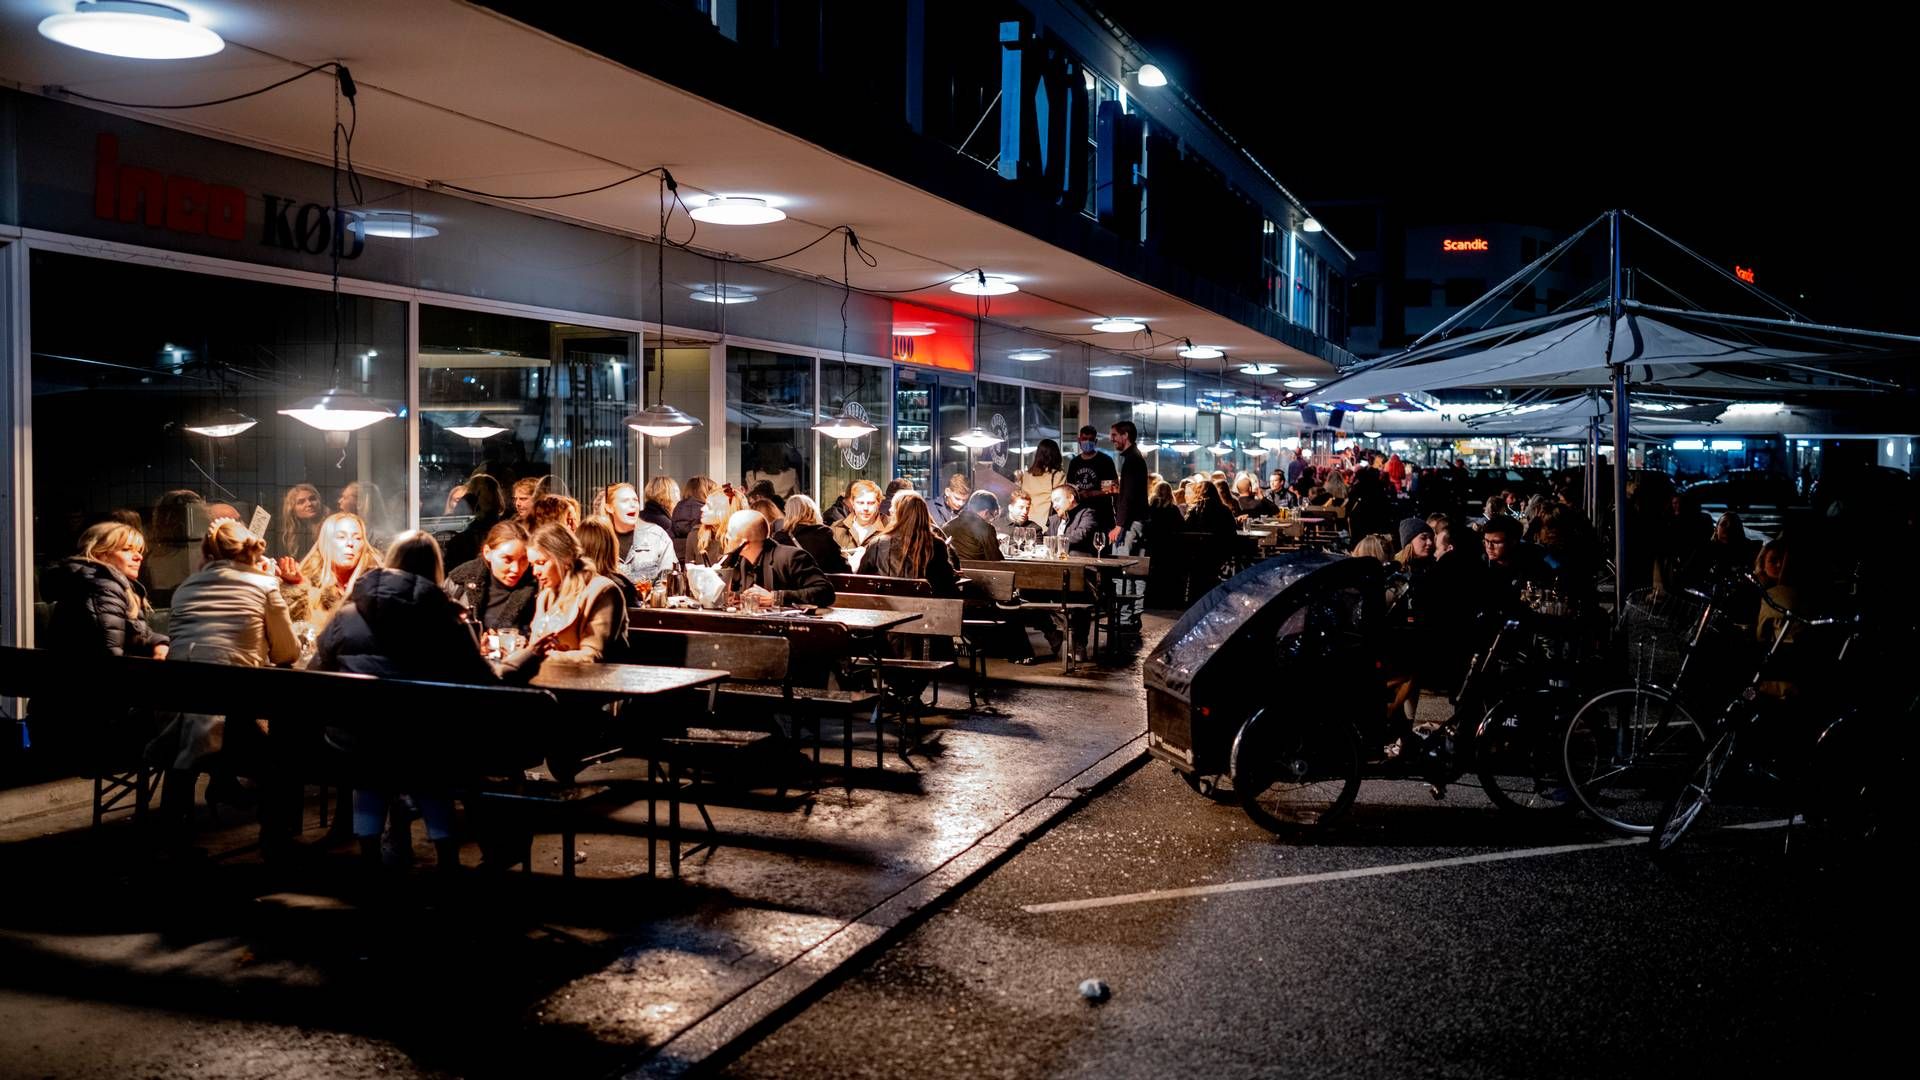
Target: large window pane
(1000, 415)
(1042, 422)
(955, 417)
(689, 376)
(770, 420)
(869, 391)
(517, 398)
(113, 398)
(913, 427)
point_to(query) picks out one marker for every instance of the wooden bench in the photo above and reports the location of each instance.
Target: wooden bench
(815, 651)
(499, 730)
(992, 600)
(1062, 582)
(940, 620)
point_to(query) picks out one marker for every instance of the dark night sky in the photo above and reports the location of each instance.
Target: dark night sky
(1775, 144)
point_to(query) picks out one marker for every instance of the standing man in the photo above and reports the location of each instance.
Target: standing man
(1094, 478)
(1130, 503)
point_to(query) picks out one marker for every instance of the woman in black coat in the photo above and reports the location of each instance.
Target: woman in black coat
(400, 624)
(496, 588)
(805, 531)
(100, 607)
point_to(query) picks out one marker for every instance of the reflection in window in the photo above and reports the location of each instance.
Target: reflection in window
(770, 420)
(114, 399)
(518, 398)
(867, 392)
(999, 411)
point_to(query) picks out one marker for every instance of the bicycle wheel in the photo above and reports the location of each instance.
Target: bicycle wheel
(1516, 760)
(1294, 774)
(1695, 792)
(1625, 753)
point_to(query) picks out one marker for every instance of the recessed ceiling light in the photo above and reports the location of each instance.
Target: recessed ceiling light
(133, 29)
(1377, 406)
(912, 330)
(1300, 384)
(1200, 352)
(721, 294)
(1371, 434)
(1029, 356)
(1169, 384)
(978, 284)
(1358, 400)
(734, 209)
(1109, 371)
(1120, 324)
(1259, 369)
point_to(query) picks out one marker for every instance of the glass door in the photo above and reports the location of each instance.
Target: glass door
(955, 417)
(913, 434)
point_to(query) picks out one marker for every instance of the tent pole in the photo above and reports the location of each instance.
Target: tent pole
(1619, 421)
(1591, 474)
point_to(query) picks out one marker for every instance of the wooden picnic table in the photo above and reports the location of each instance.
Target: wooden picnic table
(860, 622)
(621, 680)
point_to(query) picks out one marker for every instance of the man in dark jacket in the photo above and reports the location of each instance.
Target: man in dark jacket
(970, 533)
(772, 573)
(1073, 523)
(1130, 503)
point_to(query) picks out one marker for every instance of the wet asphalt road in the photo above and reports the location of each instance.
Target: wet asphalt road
(1732, 960)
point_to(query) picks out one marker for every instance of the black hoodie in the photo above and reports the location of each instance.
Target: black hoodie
(398, 625)
(90, 614)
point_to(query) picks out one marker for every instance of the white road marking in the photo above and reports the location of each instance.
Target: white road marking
(1314, 879)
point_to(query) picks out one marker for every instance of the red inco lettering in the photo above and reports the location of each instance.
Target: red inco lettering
(181, 204)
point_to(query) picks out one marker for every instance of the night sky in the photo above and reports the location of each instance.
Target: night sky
(1784, 146)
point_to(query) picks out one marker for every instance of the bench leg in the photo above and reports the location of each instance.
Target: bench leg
(673, 817)
(566, 854)
(653, 827)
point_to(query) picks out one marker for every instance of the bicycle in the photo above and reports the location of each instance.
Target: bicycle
(1625, 748)
(1745, 718)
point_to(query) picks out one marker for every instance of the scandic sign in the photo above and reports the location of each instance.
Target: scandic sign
(182, 204)
(1465, 245)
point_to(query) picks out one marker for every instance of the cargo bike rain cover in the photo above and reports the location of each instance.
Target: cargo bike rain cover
(1234, 627)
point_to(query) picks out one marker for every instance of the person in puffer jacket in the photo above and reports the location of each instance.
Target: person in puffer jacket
(99, 609)
(399, 623)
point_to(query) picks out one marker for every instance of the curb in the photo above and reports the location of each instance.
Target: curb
(734, 1025)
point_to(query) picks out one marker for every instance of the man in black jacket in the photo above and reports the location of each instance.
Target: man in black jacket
(1072, 522)
(772, 574)
(1130, 504)
(970, 532)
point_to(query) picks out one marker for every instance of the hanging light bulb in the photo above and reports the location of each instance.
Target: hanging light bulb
(338, 411)
(1221, 448)
(849, 425)
(661, 421)
(133, 29)
(220, 423)
(478, 432)
(978, 438)
(915, 447)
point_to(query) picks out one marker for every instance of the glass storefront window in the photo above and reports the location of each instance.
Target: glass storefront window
(126, 358)
(770, 417)
(689, 375)
(868, 390)
(517, 398)
(1000, 415)
(1107, 412)
(913, 428)
(1042, 422)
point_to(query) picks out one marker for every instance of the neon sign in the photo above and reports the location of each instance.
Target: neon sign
(1476, 244)
(1744, 273)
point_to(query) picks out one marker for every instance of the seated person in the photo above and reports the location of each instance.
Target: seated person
(770, 574)
(970, 533)
(1018, 522)
(1072, 523)
(909, 548)
(951, 503)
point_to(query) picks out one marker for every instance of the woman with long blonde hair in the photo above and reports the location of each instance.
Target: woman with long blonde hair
(327, 575)
(581, 615)
(299, 521)
(707, 544)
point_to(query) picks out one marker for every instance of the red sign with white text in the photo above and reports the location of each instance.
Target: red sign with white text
(926, 337)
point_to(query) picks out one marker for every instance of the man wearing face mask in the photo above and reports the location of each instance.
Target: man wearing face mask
(1094, 478)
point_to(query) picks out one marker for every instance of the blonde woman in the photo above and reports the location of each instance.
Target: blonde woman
(327, 575)
(1039, 479)
(662, 496)
(100, 607)
(645, 550)
(299, 521)
(580, 615)
(806, 531)
(693, 501)
(707, 544)
(230, 611)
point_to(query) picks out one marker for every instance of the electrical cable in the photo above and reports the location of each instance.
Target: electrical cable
(333, 64)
